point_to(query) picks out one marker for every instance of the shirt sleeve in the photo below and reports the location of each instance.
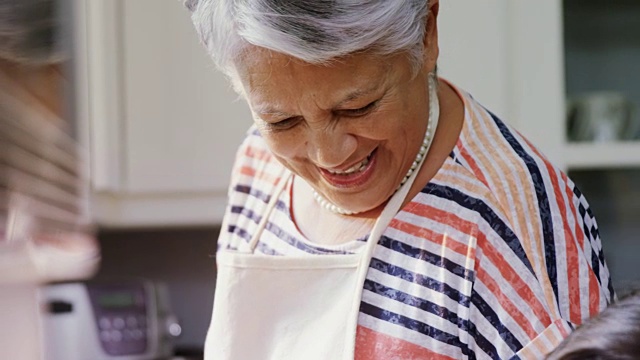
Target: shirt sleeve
(516, 308)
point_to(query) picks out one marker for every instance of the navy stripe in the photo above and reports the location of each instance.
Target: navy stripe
(593, 232)
(243, 234)
(422, 304)
(248, 213)
(408, 323)
(291, 240)
(595, 264)
(280, 205)
(246, 189)
(482, 342)
(595, 259)
(546, 218)
(595, 236)
(491, 316)
(457, 157)
(425, 281)
(265, 249)
(282, 234)
(485, 212)
(577, 191)
(422, 254)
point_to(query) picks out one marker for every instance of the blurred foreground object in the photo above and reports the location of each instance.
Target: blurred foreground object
(45, 234)
(44, 229)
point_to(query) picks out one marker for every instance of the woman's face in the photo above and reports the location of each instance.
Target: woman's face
(351, 129)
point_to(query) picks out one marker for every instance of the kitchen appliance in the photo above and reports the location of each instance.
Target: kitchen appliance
(129, 320)
(601, 116)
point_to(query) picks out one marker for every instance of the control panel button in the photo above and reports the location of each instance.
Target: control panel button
(137, 334)
(104, 323)
(116, 335)
(105, 336)
(132, 322)
(118, 323)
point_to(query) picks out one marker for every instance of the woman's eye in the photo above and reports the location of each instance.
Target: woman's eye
(283, 124)
(360, 111)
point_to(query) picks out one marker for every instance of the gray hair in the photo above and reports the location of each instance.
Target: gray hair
(613, 334)
(316, 32)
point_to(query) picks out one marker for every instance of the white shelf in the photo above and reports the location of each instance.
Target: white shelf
(602, 155)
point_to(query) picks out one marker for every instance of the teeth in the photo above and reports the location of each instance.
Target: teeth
(355, 168)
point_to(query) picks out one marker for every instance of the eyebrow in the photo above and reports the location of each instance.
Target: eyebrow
(354, 95)
(359, 93)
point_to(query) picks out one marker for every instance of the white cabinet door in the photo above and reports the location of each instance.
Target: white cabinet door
(165, 123)
(508, 55)
(473, 43)
(182, 122)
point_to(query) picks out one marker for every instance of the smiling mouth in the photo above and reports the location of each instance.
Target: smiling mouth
(359, 167)
(354, 176)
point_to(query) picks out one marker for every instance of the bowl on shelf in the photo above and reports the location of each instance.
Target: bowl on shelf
(602, 116)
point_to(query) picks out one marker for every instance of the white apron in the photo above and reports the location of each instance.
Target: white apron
(292, 307)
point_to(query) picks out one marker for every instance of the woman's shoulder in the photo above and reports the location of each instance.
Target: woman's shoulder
(255, 166)
(505, 161)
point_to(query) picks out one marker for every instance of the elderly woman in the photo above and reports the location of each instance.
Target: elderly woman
(378, 212)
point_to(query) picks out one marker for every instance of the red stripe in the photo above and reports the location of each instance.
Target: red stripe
(594, 295)
(506, 303)
(594, 287)
(247, 170)
(572, 254)
(258, 154)
(432, 236)
(372, 345)
(510, 275)
(490, 252)
(472, 163)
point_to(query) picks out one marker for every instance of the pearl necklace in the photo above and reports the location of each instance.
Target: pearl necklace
(424, 147)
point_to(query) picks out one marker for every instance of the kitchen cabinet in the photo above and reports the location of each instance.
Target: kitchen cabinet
(602, 53)
(509, 56)
(525, 61)
(163, 123)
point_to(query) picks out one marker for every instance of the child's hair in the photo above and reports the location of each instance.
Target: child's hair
(612, 335)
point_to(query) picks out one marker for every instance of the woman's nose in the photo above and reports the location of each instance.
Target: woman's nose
(330, 148)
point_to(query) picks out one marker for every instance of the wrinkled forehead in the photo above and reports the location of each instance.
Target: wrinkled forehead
(265, 75)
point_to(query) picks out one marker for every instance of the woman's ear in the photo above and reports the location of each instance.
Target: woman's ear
(431, 49)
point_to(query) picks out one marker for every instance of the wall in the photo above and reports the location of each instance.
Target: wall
(183, 258)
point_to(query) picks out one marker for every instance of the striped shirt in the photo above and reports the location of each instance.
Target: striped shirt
(498, 257)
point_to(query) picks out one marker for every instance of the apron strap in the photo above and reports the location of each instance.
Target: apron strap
(391, 209)
(282, 183)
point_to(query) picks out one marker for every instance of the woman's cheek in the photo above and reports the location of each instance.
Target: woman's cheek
(285, 145)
